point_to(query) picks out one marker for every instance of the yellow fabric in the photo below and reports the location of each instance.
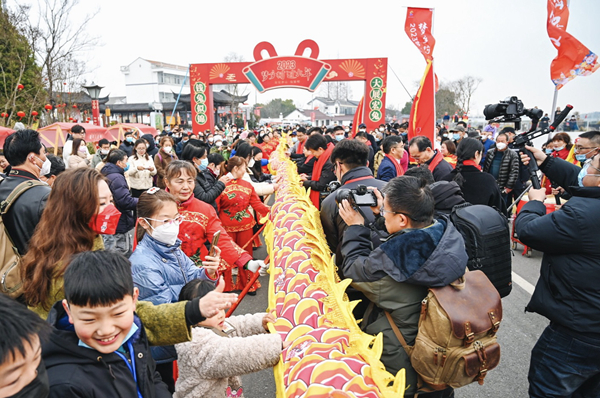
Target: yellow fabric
(307, 297)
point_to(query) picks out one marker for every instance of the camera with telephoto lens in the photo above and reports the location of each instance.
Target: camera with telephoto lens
(361, 196)
(511, 110)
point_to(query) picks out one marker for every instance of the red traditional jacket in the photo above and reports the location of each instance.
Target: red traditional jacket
(200, 224)
(234, 206)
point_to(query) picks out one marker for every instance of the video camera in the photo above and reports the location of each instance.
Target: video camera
(361, 196)
(510, 111)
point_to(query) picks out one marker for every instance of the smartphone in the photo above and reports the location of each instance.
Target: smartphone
(228, 328)
(214, 243)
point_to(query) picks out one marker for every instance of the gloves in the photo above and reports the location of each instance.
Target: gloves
(257, 265)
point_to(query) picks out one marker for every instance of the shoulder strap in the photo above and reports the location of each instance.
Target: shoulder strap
(16, 193)
(397, 333)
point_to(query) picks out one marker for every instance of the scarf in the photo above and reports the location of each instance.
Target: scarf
(399, 169)
(316, 174)
(471, 163)
(435, 160)
(300, 149)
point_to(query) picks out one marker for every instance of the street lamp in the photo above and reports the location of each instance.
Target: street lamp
(94, 92)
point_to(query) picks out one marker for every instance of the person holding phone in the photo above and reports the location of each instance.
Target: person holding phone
(141, 169)
(201, 223)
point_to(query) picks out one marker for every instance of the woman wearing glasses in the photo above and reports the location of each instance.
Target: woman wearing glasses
(160, 268)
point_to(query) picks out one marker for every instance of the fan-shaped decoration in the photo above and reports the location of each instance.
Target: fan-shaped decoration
(218, 71)
(353, 68)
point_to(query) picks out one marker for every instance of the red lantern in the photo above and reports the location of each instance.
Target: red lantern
(3, 114)
(21, 114)
(20, 87)
(34, 113)
(74, 105)
(48, 107)
(65, 83)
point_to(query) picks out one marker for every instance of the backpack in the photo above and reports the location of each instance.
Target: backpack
(11, 282)
(456, 342)
(487, 241)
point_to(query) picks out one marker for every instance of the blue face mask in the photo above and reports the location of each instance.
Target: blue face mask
(339, 137)
(580, 158)
(126, 167)
(456, 137)
(129, 139)
(582, 174)
(203, 164)
(548, 151)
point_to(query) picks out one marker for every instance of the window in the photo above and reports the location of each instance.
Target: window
(168, 78)
(165, 97)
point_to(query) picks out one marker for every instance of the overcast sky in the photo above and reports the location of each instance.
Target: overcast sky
(505, 43)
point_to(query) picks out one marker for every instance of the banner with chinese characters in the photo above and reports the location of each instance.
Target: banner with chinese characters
(418, 28)
(573, 59)
(271, 71)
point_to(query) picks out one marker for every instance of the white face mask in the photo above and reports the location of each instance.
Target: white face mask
(167, 149)
(166, 233)
(104, 151)
(500, 145)
(381, 129)
(45, 169)
(251, 163)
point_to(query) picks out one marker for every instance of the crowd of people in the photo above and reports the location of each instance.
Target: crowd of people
(117, 247)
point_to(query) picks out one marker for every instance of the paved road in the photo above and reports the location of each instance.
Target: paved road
(518, 333)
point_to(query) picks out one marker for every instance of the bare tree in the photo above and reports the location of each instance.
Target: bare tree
(58, 41)
(464, 89)
(336, 90)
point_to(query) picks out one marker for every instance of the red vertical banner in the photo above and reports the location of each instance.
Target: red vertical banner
(422, 113)
(573, 59)
(358, 117)
(418, 28)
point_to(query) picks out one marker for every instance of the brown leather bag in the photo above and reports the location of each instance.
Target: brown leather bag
(456, 343)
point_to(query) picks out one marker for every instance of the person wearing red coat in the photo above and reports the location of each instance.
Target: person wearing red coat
(200, 223)
(234, 211)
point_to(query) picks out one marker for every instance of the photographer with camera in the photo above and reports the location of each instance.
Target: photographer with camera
(420, 252)
(564, 361)
(349, 159)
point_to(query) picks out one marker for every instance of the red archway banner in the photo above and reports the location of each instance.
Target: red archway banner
(297, 71)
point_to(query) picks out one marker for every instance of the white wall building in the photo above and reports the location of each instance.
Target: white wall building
(333, 107)
(151, 81)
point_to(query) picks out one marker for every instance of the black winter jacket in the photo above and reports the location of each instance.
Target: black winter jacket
(152, 149)
(208, 188)
(326, 177)
(24, 215)
(509, 168)
(479, 188)
(75, 371)
(333, 225)
(127, 147)
(124, 202)
(567, 292)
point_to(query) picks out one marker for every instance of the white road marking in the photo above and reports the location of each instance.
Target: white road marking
(528, 287)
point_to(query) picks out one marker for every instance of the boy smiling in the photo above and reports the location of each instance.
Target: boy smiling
(99, 346)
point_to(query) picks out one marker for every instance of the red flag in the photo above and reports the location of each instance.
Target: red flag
(418, 29)
(573, 59)
(422, 112)
(358, 117)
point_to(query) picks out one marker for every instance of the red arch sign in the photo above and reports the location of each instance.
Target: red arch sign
(295, 71)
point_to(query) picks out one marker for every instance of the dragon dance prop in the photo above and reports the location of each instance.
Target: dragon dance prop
(329, 355)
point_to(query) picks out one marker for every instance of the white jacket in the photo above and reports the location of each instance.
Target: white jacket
(261, 188)
(210, 363)
(140, 179)
(76, 161)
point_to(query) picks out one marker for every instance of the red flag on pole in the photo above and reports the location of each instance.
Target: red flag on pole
(422, 113)
(358, 117)
(573, 59)
(418, 28)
